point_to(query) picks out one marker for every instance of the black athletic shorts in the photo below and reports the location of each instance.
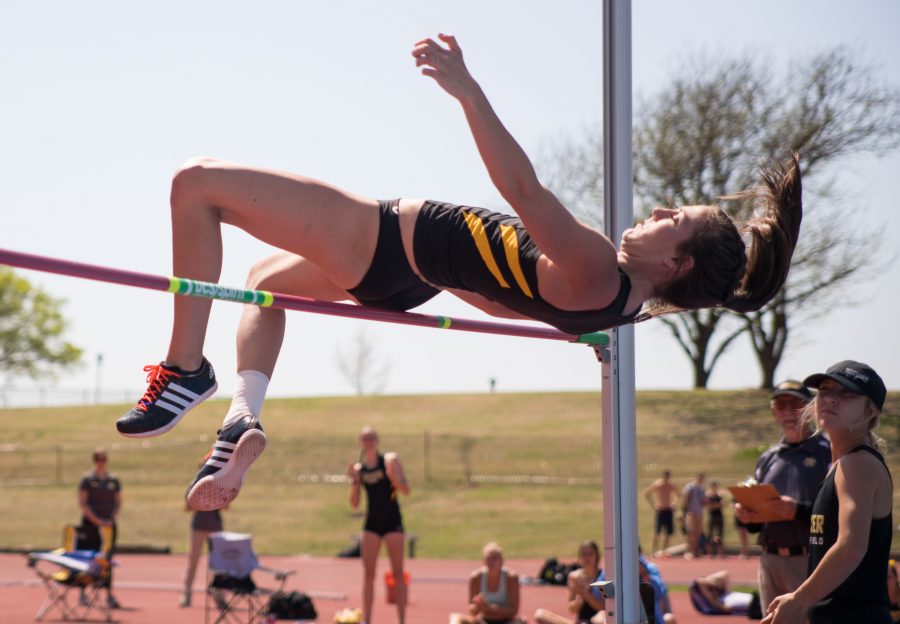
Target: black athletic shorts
(665, 520)
(390, 283)
(383, 526)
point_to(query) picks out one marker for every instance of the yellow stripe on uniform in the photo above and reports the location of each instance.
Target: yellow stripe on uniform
(511, 245)
(476, 227)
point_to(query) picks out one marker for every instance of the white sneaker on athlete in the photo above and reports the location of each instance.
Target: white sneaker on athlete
(171, 393)
(219, 480)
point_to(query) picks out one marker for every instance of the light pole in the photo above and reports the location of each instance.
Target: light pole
(97, 370)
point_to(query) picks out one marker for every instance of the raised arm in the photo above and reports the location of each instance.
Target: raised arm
(573, 246)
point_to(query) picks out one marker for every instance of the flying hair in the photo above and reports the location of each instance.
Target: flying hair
(740, 269)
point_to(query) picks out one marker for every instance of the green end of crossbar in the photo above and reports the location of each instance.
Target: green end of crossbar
(444, 322)
(595, 338)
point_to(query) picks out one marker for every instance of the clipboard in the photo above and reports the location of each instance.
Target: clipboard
(754, 497)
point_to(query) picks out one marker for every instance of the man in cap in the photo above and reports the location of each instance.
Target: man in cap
(795, 466)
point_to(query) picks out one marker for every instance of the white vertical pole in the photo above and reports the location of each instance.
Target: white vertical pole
(620, 544)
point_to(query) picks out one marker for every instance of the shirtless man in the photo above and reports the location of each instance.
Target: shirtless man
(662, 495)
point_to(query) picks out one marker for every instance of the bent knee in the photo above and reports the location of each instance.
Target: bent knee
(265, 273)
(191, 173)
(258, 274)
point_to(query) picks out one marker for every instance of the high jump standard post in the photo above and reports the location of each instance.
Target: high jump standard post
(620, 548)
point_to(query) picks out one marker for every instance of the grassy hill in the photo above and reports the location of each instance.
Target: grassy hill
(524, 469)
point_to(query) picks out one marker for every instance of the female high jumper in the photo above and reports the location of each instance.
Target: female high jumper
(543, 265)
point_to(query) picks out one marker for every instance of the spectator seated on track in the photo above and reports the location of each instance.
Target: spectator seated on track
(584, 602)
(662, 606)
(493, 592)
(711, 595)
(74, 567)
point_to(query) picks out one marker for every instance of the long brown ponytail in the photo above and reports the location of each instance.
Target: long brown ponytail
(773, 236)
(728, 272)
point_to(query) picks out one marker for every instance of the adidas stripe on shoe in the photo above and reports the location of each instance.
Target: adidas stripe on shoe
(219, 480)
(170, 394)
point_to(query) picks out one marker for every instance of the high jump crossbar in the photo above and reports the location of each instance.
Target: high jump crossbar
(266, 299)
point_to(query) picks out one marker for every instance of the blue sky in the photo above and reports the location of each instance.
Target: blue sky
(102, 100)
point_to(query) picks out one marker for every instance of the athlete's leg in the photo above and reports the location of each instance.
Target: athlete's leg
(371, 544)
(395, 542)
(334, 229)
(195, 547)
(241, 439)
(261, 330)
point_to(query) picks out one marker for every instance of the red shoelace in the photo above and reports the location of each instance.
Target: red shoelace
(157, 376)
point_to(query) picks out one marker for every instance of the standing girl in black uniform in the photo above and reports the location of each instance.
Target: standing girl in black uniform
(384, 479)
(850, 528)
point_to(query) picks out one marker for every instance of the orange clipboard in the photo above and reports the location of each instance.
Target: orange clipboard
(754, 497)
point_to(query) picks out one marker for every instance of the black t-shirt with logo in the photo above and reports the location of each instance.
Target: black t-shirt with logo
(102, 493)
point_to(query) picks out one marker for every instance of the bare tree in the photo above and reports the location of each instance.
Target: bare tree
(360, 365)
(839, 109)
(704, 136)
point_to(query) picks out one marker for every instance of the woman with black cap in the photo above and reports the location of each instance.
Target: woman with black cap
(850, 527)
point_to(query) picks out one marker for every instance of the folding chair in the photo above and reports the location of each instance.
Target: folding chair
(231, 590)
(68, 568)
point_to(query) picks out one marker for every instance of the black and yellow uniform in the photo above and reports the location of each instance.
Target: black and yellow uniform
(390, 283)
(102, 493)
(863, 596)
(492, 254)
(382, 511)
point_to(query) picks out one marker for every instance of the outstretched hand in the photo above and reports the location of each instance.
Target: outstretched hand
(445, 64)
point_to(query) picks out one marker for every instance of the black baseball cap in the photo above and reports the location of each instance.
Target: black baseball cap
(794, 388)
(856, 377)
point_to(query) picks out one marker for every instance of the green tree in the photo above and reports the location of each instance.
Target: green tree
(31, 330)
(704, 135)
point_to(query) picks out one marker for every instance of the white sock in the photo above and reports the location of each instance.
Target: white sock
(249, 392)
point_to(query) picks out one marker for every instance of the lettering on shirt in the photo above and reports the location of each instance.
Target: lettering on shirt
(817, 530)
(373, 477)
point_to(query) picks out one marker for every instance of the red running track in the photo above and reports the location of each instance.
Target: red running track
(149, 586)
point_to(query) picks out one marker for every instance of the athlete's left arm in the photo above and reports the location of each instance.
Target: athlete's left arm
(395, 473)
(856, 491)
(583, 254)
